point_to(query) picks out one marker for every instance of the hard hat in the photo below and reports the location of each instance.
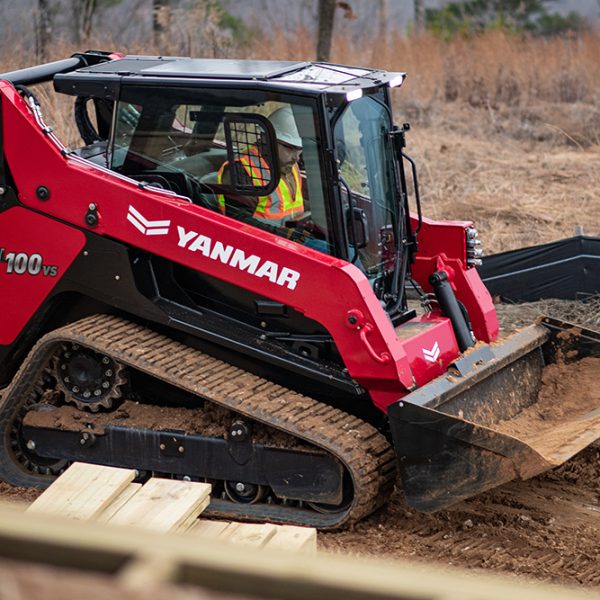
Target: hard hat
(284, 124)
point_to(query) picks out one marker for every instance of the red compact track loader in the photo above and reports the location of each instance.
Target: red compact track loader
(213, 286)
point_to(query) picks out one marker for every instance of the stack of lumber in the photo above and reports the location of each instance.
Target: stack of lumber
(108, 495)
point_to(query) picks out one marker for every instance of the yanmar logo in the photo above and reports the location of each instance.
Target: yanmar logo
(145, 226)
(236, 257)
(433, 354)
(217, 251)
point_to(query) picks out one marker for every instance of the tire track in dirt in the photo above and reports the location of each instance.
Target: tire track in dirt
(547, 528)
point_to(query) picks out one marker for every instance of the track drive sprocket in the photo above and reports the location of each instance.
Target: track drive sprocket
(88, 379)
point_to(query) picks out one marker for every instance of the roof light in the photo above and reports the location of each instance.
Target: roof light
(354, 95)
(396, 81)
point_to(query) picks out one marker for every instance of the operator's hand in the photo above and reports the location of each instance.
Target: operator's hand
(299, 221)
(315, 230)
(305, 232)
(129, 115)
(306, 226)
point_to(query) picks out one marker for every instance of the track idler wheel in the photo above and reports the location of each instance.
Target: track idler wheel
(244, 493)
(20, 465)
(88, 379)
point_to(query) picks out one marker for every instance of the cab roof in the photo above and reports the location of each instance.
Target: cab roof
(103, 80)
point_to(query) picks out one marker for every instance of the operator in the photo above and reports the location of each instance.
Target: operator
(286, 202)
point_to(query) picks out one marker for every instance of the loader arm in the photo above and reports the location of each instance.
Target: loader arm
(442, 246)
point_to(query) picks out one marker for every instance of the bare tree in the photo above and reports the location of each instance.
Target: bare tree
(419, 16)
(325, 29)
(161, 20)
(88, 8)
(83, 12)
(43, 29)
(383, 19)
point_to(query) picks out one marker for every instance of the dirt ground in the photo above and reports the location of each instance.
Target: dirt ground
(519, 188)
(546, 528)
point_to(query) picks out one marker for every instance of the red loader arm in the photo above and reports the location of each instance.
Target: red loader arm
(442, 246)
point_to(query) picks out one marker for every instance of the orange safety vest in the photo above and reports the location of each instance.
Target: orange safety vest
(279, 206)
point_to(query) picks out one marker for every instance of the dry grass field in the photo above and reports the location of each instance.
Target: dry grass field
(505, 129)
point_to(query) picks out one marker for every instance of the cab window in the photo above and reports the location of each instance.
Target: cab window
(175, 139)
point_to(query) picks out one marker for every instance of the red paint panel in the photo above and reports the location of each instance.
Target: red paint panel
(441, 237)
(446, 240)
(430, 346)
(35, 252)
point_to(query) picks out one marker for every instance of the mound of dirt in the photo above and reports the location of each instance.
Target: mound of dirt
(568, 395)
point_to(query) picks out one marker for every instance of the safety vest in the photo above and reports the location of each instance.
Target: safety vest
(277, 208)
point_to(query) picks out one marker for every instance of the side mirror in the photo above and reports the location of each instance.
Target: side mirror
(358, 227)
(252, 154)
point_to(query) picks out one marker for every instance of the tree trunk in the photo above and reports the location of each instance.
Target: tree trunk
(88, 10)
(419, 16)
(384, 16)
(76, 28)
(325, 29)
(43, 30)
(161, 17)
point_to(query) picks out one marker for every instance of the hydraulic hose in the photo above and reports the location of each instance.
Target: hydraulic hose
(450, 307)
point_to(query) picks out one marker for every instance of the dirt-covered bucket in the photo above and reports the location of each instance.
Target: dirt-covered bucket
(505, 411)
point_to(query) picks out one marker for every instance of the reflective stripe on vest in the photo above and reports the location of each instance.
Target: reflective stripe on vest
(279, 205)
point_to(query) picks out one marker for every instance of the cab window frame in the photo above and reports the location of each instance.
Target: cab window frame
(228, 97)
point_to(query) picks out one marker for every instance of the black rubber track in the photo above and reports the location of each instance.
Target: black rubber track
(364, 452)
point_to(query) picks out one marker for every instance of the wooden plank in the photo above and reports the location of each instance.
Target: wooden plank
(296, 539)
(208, 529)
(83, 491)
(285, 537)
(228, 531)
(231, 569)
(147, 570)
(127, 494)
(252, 534)
(164, 504)
(189, 522)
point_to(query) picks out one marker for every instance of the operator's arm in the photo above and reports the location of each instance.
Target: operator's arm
(300, 229)
(238, 206)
